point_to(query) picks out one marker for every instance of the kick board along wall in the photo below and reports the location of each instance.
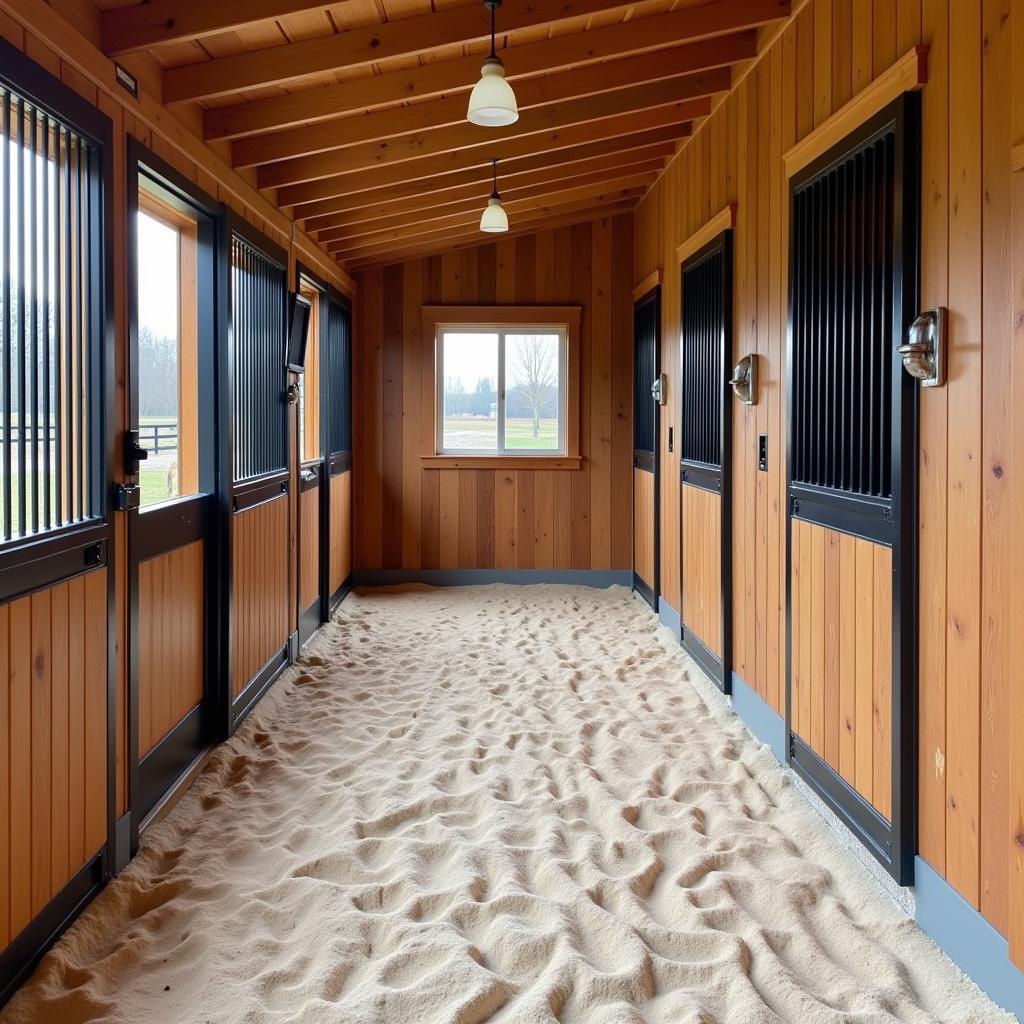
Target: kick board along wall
(63, 38)
(970, 504)
(412, 518)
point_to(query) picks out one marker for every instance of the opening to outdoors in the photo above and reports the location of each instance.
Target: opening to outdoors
(168, 378)
(502, 392)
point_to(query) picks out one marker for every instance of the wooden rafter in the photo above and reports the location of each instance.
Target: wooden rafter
(628, 177)
(687, 96)
(620, 76)
(437, 113)
(362, 47)
(614, 131)
(126, 29)
(610, 166)
(443, 230)
(723, 33)
(470, 239)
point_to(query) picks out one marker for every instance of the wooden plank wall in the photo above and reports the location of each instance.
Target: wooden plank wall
(340, 564)
(829, 52)
(172, 591)
(63, 38)
(702, 565)
(259, 584)
(643, 520)
(408, 517)
(842, 656)
(309, 547)
(53, 743)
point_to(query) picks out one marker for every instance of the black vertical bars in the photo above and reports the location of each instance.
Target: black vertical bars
(258, 321)
(701, 341)
(842, 306)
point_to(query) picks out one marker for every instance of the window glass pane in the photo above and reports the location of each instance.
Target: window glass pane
(167, 353)
(470, 401)
(532, 391)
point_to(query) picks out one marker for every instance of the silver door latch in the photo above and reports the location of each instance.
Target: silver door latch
(658, 389)
(924, 353)
(744, 380)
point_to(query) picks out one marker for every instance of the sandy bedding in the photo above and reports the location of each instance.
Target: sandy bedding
(494, 804)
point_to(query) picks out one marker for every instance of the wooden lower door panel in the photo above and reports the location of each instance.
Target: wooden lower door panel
(259, 588)
(341, 529)
(171, 640)
(309, 547)
(841, 661)
(53, 740)
(643, 525)
(702, 565)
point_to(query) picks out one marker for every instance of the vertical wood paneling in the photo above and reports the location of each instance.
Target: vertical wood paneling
(171, 608)
(340, 559)
(971, 235)
(309, 547)
(842, 681)
(514, 519)
(53, 742)
(643, 518)
(259, 571)
(702, 565)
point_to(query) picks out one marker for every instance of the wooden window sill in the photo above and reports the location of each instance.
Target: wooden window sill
(501, 461)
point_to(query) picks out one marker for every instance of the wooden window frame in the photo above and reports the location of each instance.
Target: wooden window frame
(565, 318)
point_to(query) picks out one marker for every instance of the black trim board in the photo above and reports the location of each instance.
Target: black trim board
(646, 460)
(258, 686)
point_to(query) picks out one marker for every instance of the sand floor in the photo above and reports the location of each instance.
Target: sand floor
(500, 804)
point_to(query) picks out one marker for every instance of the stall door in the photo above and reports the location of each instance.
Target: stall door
(705, 344)
(646, 367)
(260, 610)
(308, 455)
(338, 425)
(852, 479)
(56, 541)
(170, 458)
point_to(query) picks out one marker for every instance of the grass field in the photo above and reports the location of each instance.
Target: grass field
(477, 432)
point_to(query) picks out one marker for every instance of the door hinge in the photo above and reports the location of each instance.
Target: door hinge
(127, 497)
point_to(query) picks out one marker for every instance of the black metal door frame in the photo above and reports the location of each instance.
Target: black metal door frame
(184, 520)
(313, 475)
(642, 459)
(892, 522)
(35, 563)
(717, 479)
(237, 496)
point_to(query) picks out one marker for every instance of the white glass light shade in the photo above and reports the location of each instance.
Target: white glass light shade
(494, 217)
(492, 103)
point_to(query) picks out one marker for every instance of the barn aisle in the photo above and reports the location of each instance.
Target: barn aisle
(493, 804)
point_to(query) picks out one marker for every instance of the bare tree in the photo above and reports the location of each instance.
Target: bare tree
(536, 367)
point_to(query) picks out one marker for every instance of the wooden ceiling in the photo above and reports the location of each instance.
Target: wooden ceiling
(353, 115)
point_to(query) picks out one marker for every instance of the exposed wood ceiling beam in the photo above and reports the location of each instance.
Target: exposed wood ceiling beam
(472, 238)
(608, 166)
(711, 25)
(126, 29)
(615, 131)
(439, 234)
(448, 111)
(688, 96)
(661, 141)
(361, 47)
(637, 176)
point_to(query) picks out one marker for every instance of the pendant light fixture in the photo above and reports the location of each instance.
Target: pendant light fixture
(494, 218)
(492, 103)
